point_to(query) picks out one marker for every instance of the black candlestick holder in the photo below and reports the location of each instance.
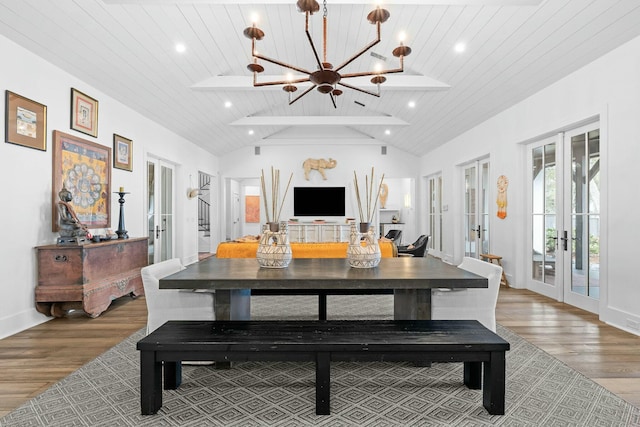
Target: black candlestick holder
(121, 231)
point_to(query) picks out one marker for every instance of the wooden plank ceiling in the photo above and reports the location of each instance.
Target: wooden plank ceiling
(126, 48)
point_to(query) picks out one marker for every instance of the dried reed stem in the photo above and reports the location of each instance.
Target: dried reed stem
(355, 179)
(377, 196)
(285, 195)
(264, 193)
(371, 203)
(274, 212)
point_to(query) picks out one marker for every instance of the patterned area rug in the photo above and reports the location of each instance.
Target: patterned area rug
(541, 390)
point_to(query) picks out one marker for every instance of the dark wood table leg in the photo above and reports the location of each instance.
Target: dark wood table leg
(494, 383)
(231, 304)
(323, 383)
(473, 375)
(322, 305)
(150, 383)
(172, 375)
(412, 304)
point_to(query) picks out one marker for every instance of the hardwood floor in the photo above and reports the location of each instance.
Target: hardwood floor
(35, 359)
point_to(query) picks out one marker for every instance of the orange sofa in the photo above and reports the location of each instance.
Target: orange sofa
(300, 250)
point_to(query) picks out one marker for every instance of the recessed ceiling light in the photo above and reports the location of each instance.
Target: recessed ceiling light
(250, 131)
(460, 47)
(387, 132)
(180, 48)
(227, 104)
(412, 104)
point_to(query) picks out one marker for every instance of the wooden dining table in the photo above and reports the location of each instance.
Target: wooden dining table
(409, 278)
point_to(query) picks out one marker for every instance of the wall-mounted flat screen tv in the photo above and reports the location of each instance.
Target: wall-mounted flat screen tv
(318, 201)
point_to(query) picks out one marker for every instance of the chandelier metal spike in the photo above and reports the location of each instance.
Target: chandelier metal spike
(325, 79)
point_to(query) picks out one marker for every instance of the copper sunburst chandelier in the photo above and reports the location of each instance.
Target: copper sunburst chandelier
(325, 78)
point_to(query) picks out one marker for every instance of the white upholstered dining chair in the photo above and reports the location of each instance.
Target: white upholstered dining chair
(470, 304)
(172, 304)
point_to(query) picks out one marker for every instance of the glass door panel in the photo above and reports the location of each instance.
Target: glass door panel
(484, 208)
(151, 210)
(544, 230)
(166, 213)
(471, 228)
(434, 185)
(585, 218)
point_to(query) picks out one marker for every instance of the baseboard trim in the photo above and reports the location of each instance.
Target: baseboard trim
(21, 321)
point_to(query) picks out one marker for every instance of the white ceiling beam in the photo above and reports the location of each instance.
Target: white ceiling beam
(394, 82)
(319, 121)
(344, 2)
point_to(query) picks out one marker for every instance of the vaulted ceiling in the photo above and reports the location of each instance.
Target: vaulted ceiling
(126, 48)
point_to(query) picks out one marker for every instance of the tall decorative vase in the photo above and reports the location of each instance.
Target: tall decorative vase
(274, 250)
(363, 250)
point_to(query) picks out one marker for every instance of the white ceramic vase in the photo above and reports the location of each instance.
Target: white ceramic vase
(274, 250)
(363, 250)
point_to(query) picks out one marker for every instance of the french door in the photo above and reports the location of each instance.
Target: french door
(565, 217)
(434, 214)
(476, 208)
(160, 210)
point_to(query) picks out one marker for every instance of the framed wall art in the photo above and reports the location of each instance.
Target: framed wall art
(84, 113)
(84, 168)
(25, 122)
(252, 208)
(122, 153)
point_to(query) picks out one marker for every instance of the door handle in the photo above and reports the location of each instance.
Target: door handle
(477, 230)
(564, 239)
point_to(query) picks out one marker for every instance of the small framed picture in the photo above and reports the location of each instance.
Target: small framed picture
(84, 113)
(122, 153)
(25, 122)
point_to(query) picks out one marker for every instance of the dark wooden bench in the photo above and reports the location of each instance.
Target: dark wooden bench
(322, 342)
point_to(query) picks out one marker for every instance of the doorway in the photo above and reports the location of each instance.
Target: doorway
(476, 208)
(206, 214)
(160, 209)
(565, 226)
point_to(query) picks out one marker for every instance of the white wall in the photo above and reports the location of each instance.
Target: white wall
(288, 158)
(607, 88)
(26, 177)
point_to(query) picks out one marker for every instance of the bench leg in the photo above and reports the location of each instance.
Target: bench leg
(150, 383)
(494, 383)
(473, 375)
(322, 306)
(172, 375)
(323, 373)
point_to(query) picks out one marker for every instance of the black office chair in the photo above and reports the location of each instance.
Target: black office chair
(394, 235)
(417, 248)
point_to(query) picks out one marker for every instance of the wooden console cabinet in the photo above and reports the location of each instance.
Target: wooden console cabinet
(90, 276)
